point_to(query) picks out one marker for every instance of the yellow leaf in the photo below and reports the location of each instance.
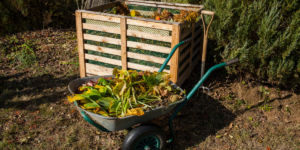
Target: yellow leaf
(74, 98)
(98, 86)
(135, 111)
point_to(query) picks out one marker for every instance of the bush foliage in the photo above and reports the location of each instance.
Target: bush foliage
(263, 34)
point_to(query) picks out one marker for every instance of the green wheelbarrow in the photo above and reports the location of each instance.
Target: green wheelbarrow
(144, 137)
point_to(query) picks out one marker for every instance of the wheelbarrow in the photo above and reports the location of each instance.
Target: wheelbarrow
(144, 137)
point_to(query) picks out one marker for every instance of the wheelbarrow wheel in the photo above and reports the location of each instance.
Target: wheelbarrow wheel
(149, 137)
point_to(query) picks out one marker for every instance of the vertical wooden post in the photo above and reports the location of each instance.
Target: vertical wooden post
(80, 44)
(174, 67)
(123, 43)
(191, 50)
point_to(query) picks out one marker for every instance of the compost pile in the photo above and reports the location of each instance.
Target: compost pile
(184, 16)
(129, 93)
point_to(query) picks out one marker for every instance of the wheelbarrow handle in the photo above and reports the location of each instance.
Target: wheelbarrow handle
(190, 94)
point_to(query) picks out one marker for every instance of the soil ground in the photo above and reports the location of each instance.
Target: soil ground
(35, 113)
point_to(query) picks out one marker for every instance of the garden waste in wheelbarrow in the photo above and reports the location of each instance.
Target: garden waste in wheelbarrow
(115, 123)
(142, 137)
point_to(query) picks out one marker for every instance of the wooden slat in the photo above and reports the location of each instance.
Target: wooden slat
(197, 42)
(183, 66)
(105, 6)
(182, 78)
(149, 23)
(90, 75)
(175, 58)
(191, 51)
(100, 17)
(80, 44)
(184, 55)
(129, 32)
(147, 58)
(98, 70)
(138, 45)
(102, 49)
(182, 47)
(149, 36)
(123, 43)
(113, 16)
(144, 68)
(101, 28)
(149, 47)
(103, 59)
(185, 34)
(102, 39)
(129, 54)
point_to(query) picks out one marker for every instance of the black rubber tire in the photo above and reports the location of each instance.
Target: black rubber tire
(137, 133)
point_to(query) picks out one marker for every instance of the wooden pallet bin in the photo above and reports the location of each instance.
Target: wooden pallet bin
(120, 51)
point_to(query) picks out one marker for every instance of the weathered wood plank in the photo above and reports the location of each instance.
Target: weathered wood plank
(149, 36)
(196, 42)
(98, 70)
(144, 68)
(149, 47)
(184, 55)
(103, 59)
(185, 34)
(182, 78)
(183, 66)
(102, 39)
(191, 51)
(102, 49)
(80, 44)
(123, 43)
(175, 58)
(129, 54)
(148, 23)
(101, 17)
(101, 28)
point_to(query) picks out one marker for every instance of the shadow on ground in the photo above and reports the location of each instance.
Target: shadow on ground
(19, 92)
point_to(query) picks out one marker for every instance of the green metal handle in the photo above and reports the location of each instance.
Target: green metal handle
(172, 52)
(194, 90)
(89, 120)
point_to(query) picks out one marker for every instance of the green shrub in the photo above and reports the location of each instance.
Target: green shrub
(263, 34)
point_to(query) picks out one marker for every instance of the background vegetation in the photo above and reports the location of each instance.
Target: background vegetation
(263, 34)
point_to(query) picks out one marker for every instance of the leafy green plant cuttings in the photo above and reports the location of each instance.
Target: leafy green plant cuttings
(129, 93)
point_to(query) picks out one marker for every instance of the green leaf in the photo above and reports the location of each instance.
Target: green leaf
(218, 136)
(102, 81)
(103, 91)
(113, 106)
(91, 106)
(105, 102)
(94, 94)
(119, 88)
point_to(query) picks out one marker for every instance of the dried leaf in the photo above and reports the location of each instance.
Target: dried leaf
(135, 111)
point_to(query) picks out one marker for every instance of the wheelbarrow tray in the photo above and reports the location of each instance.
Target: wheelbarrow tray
(115, 123)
